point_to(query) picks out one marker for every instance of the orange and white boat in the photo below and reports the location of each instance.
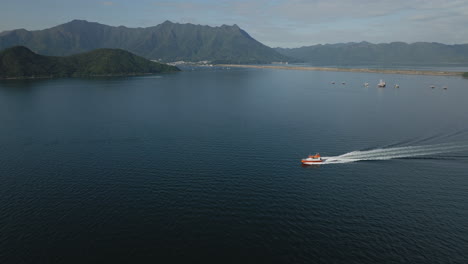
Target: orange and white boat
(312, 159)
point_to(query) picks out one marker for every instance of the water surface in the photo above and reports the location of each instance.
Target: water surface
(205, 166)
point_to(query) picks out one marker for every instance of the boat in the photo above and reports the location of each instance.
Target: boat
(333, 82)
(445, 88)
(432, 86)
(366, 84)
(397, 86)
(312, 159)
(381, 84)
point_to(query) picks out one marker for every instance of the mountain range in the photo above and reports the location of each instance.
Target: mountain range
(170, 42)
(167, 42)
(21, 62)
(365, 53)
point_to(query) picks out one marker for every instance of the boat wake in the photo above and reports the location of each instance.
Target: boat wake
(397, 153)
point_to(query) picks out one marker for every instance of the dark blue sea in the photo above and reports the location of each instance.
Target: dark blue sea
(203, 166)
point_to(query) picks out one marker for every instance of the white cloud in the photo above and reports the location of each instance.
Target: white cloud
(316, 21)
(292, 23)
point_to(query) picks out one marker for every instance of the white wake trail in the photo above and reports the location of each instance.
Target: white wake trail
(397, 152)
(402, 151)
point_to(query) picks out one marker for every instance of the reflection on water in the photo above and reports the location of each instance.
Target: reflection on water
(206, 164)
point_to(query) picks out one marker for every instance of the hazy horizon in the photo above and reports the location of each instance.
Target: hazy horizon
(278, 23)
(175, 22)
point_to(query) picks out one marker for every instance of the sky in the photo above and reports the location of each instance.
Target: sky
(276, 23)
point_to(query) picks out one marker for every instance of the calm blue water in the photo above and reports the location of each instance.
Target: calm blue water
(204, 166)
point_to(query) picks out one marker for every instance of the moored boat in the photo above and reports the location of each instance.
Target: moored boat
(381, 84)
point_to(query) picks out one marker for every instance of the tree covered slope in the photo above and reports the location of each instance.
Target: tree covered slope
(20, 62)
(167, 42)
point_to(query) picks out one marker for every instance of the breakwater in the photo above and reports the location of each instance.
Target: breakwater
(384, 71)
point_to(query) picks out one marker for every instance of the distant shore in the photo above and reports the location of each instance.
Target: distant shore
(384, 71)
(76, 76)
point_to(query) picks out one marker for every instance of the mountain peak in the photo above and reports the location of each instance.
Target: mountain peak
(235, 26)
(168, 41)
(78, 21)
(167, 22)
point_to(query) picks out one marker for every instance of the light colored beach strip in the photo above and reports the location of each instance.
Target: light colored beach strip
(384, 71)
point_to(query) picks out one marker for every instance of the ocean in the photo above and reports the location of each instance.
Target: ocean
(204, 166)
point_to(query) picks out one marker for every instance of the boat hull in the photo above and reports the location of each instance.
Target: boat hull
(311, 162)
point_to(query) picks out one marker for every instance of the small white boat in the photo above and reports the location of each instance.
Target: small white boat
(381, 84)
(312, 159)
(366, 84)
(397, 86)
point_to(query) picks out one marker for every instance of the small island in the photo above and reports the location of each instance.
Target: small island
(20, 62)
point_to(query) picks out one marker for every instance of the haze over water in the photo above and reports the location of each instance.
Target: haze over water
(205, 166)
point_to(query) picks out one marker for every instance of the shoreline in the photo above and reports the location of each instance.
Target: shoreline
(82, 76)
(384, 71)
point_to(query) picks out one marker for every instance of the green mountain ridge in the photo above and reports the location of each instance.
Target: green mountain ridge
(166, 42)
(365, 53)
(21, 62)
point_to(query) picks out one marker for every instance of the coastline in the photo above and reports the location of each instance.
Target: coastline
(384, 71)
(82, 76)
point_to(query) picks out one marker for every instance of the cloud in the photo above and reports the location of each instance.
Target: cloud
(307, 22)
(292, 23)
(287, 23)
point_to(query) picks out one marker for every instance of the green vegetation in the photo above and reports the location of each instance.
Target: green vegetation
(365, 53)
(20, 62)
(465, 74)
(167, 42)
